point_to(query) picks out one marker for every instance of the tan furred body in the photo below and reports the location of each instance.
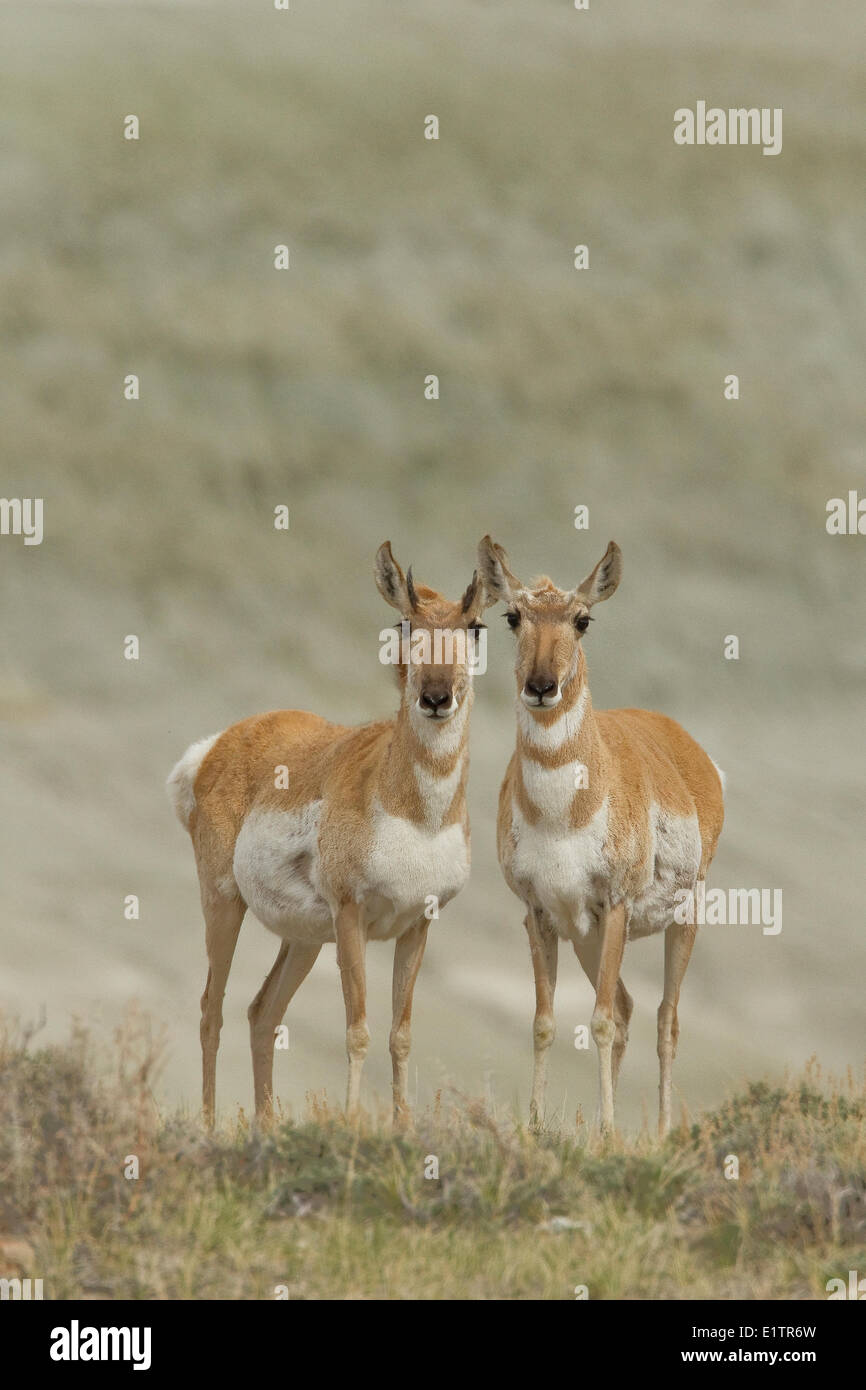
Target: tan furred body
(606, 819)
(351, 824)
(332, 833)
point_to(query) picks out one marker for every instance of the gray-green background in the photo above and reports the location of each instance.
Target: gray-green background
(603, 387)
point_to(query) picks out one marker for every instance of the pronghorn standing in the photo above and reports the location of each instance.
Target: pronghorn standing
(604, 816)
(337, 834)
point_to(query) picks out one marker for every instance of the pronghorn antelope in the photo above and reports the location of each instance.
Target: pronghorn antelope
(604, 816)
(329, 833)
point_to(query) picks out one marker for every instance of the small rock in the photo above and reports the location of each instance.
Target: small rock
(565, 1223)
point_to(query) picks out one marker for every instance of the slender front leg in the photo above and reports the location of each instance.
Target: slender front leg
(603, 1025)
(408, 954)
(588, 951)
(544, 945)
(679, 940)
(351, 948)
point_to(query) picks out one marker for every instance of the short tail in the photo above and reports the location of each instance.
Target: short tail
(723, 777)
(181, 780)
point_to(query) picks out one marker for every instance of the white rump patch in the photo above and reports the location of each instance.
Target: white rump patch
(181, 779)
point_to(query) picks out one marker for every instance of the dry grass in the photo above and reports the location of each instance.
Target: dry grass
(330, 1212)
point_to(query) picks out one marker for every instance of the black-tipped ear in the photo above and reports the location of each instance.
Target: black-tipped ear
(410, 590)
(604, 579)
(499, 583)
(390, 580)
(470, 596)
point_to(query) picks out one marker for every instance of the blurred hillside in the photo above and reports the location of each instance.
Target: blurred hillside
(603, 387)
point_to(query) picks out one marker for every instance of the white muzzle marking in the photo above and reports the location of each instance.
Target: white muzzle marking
(546, 702)
(439, 714)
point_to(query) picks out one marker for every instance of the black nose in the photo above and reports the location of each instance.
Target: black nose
(539, 687)
(435, 699)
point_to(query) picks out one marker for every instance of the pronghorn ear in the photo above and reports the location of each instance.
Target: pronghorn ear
(474, 599)
(604, 578)
(391, 582)
(499, 582)
(471, 595)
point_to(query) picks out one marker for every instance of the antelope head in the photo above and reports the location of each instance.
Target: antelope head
(549, 623)
(438, 639)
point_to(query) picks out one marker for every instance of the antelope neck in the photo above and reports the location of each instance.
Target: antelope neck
(424, 765)
(550, 750)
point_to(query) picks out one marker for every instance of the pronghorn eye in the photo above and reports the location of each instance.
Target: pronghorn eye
(582, 623)
(513, 620)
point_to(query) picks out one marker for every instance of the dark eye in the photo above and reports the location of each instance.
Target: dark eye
(512, 619)
(582, 623)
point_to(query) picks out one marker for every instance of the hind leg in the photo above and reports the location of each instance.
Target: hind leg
(679, 940)
(293, 964)
(223, 917)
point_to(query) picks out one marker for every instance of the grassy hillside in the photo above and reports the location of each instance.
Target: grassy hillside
(328, 1212)
(602, 387)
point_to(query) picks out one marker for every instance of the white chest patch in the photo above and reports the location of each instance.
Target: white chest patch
(565, 871)
(408, 864)
(437, 793)
(551, 789)
(276, 867)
